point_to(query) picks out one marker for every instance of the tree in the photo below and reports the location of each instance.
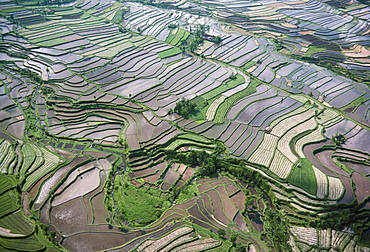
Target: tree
(338, 139)
(217, 40)
(232, 76)
(221, 232)
(185, 108)
(233, 238)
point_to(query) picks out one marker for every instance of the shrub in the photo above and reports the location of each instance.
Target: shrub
(185, 108)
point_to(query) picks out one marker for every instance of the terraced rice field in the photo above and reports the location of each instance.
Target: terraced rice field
(93, 156)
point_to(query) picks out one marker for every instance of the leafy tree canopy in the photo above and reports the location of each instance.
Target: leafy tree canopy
(185, 108)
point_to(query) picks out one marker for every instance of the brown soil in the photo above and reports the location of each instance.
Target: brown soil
(239, 221)
(26, 201)
(348, 196)
(324, 158)
(188, 174)
(69, 217)
(238, 200)
(185, 205)
(229, 208)
(204, 187)
(153, 178)
(95, 154)
(362, 186)
(35, 189)
(94, 241)
(218, 207)
(166, 186)
(181, 168)
(145, 172)
(215, 183)
(207, 203)
(308, 149)
(231, 189)
(179, 183)
(171, 176)
(98, 208)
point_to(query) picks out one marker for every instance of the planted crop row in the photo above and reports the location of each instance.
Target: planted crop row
(284, 142)
(199, 245)
(166, 240)
(322, 183)
(7, 163)
(307, 235)
(211, 111)
(50, 162)
(299, 110)
(281, 166)
(7, 182)
(4, 149)
(283, 126)
(224, 107)
(336, 188)
(314, 136)
(303, 176)
(29, 243)
(8, 203)
(265, 151)
(17, 223)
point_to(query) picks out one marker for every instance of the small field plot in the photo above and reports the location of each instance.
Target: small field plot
(303, 176)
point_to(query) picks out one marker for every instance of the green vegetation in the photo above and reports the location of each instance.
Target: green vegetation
(168, 53)
(189, 191)
(279, 45)
(223, 109)
(7, 182)
(185, 108)
(303, 176)
(354, 104)
(234, 81)
(249, 64)
(338, 139)
(205, 100)
(190, 42)
(276, 229)
(131, 205)
(142, 176)
(118, 17)
(313, 49)
(30, 235)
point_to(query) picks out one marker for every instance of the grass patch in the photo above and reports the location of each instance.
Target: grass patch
(188, 192)
(118, 17)
(344, 167)
(5, 11)
(169, 53)
(304, 176)
(171, 35)
(138, 205)
(313, 49)
(248, 65)
(52, 42)
(224, 107)
(203, 103)
(200, 121)
(202, 106)
(231, 83)
(354, 104)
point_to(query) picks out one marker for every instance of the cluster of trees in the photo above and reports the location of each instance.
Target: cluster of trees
(278, 44)
(338, 139)
(276, 229)
(184, 108)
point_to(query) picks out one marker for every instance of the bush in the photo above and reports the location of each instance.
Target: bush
(338, 139)
(185, 108)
